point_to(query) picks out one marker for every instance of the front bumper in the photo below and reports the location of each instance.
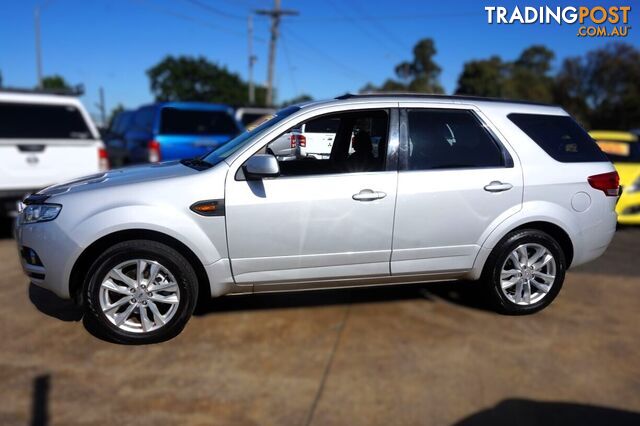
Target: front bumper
(56, 252)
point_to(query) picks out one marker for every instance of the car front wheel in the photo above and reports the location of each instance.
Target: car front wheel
(525, 271)
(140, 292)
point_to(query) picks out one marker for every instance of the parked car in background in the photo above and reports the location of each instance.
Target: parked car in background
(114, 138)
(623, 149)
(177, 130)
(508, 193)
(250, 115)
(44, 139)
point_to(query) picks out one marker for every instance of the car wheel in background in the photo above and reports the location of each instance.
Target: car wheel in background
(525, 272)
(140, 292)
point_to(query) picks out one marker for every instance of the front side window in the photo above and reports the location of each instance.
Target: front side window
(39, 121)
(347, 142)
(448, 139)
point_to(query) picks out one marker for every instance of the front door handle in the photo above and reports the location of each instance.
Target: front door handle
(497, 186)
(368, 195)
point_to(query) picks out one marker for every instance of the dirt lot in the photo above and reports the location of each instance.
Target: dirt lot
(430, 354)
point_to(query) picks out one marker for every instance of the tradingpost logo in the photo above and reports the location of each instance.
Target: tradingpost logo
(595, 21)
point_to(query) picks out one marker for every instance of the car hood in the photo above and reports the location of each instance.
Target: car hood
(125, 176)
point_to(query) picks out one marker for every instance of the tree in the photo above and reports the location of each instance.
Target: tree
(483, 78)
(419, 75)
(186, 78)
(297, 100)
(603, 86)
(525, 78)
(55, 82)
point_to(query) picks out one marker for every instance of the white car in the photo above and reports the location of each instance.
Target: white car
(44, 139)
(509, 194)
(315, 138)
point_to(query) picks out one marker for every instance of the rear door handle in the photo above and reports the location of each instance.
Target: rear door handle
(497, 186)
(368, 195)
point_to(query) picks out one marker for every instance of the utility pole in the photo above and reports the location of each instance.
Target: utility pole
(252, 60)
(36, 21)
(275, 14)
(101, 106)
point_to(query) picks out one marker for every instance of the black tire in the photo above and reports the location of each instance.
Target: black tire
(169, 258)
(491, 275)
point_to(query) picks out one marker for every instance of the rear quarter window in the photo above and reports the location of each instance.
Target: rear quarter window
(560, 137)
(39, 121)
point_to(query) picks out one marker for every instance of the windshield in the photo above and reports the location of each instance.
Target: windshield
(241, 140)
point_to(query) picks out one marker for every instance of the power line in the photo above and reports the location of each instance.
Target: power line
(369, 33)
(417, 17)
(291, 74)
(214, 10)
(346, 70)
(381, 26)
(189, 18)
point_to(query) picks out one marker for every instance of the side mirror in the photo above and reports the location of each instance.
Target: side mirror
(261, 166)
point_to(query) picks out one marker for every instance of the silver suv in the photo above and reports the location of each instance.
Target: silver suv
(510, 194)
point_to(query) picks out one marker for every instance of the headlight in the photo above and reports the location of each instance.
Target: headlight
(33, 213)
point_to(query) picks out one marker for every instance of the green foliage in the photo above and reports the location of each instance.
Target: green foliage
(55, 82)
(602, 88)
(525, 78)
(420, 75)
(187, 78)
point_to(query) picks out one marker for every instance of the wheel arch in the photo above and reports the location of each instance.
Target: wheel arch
(88, 255)
(556, 232)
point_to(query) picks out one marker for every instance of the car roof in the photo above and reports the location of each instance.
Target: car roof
(503, 105)
(39, 98)
(191, 105)
(613, 135)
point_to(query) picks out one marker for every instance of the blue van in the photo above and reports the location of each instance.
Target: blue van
(178, 130)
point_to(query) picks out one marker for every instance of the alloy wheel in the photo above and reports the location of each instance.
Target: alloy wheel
(528, 274)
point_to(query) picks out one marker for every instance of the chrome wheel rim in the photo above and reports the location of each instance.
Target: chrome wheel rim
(528, 274)
(139, 296)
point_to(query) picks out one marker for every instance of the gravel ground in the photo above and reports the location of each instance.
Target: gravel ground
(422, 354)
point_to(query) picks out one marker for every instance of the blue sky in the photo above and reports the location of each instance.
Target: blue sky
(332, 47)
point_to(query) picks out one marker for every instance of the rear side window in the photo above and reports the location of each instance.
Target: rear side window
(448, 139)
(178, 121)
(560, 137)
(34, 121)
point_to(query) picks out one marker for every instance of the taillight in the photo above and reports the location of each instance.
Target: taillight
(154, 151)
(609, 183)
(103, 159)
(298, 140)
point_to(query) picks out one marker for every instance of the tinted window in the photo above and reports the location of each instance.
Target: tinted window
(560, 137)
(32, 121)
(323, 125)
(179, 121)
(442, 139)
(143, 119)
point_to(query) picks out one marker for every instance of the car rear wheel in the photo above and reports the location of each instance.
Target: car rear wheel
(525, 272)
(140, 292)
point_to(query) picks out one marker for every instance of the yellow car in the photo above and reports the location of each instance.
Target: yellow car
(623, 149)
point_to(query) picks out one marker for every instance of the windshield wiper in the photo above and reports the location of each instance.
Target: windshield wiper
(196, 163)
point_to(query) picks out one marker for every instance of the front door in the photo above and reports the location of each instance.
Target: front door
(322, 219)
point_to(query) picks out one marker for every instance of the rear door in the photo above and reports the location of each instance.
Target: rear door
(457, 181)
(43, 144)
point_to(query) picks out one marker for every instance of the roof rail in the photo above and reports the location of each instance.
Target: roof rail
(77, 90)
(436, 96)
